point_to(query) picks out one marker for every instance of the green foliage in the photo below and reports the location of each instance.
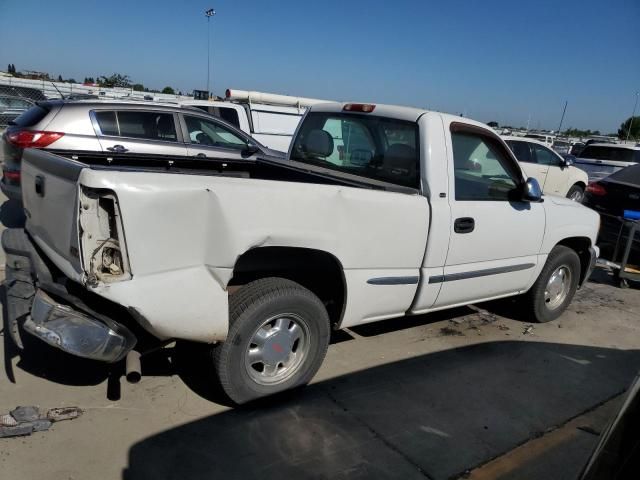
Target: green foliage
(575, 132)
(493, 124)
(168, 90)
(115, 80)
(138, 87)
(634, 124)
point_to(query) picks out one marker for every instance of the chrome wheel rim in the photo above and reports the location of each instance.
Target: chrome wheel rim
(576, 196)
(277, 349)
(557, 287)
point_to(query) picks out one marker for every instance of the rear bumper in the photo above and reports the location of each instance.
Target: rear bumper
(40, 303)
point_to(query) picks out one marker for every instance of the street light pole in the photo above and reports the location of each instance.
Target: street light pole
(632, 115)
(209, 13)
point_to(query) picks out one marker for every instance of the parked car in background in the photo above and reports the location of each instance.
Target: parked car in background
(541, 137)
(120, 127)
(602, 159)
(576, 148)
(12, 106)
(556, 175)
(611, 196)
(269, 118)
(561, 147)
(378, 212)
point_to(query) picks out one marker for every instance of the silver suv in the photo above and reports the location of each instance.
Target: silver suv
(121, 127)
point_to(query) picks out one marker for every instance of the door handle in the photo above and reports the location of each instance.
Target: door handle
(118, 149)
(464, 225)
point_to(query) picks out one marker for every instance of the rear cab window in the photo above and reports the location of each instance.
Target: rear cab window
(32, 116)
(370, 146)
(137, 124)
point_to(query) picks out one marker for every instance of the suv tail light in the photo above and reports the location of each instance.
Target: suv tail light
(596, 189)
(33, 138)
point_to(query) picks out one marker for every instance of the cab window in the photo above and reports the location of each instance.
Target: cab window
(481, 169)
(521, 150)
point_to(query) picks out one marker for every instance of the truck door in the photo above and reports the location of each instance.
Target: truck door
(495, 237)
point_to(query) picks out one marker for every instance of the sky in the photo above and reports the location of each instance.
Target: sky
(506, 61)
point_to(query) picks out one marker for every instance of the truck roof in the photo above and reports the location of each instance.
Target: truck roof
(403, 113)
(410, 114)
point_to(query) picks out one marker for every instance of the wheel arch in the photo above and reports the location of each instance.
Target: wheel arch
(581, 245)
(317, 270)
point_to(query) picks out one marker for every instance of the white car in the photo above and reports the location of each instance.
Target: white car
(600, 160)
(556, 175)
(378, 212)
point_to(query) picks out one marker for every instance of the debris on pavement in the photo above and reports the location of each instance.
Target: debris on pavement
(503, 327)
(23, 421)
(448, 331)
(528, 330)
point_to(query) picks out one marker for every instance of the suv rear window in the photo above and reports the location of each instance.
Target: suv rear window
(134, 124)
(366, 145)
(611, 153)
(32, 116)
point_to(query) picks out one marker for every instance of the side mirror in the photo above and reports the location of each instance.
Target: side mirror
(249, 150)
(531, 191)
(569, 160)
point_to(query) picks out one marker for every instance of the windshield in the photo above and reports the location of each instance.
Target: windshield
(611, 153)
(374, 147)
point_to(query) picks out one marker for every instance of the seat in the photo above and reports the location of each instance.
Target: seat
(399, 164)
(165, 128)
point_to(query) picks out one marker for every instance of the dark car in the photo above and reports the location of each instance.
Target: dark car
(611, 196)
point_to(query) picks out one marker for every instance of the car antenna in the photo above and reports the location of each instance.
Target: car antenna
(56, 87)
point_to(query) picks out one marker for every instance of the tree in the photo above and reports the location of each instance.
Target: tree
(493, 124)
(138, 87)
(115, 80)
(634, 124)
(168, 90)
(60, 78)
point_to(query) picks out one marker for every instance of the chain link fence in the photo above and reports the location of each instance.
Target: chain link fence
(14, 100)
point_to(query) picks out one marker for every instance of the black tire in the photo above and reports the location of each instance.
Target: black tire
(535, 300)
(576, 190)
(249, 308)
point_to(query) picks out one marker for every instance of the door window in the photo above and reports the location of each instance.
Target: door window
(134, 124)
(207, 133)
(544, 156)
(522, 151)
(481, 169)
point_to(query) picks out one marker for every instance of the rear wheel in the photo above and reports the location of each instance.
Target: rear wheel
(576, 193)
(278, 337)
(556, 285)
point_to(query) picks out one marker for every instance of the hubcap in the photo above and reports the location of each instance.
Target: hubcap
(576, 196)
(277, 349)
(557, 287)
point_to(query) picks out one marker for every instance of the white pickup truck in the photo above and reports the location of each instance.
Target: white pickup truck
(379, 212)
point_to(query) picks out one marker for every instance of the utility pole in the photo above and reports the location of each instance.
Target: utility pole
(562, 118)
(209, 13)
(632, 115)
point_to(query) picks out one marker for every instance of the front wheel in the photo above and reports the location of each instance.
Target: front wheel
(556, 285)
(278, 337)
(576, 193)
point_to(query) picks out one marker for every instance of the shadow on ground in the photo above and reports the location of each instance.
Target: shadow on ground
(435, 415)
